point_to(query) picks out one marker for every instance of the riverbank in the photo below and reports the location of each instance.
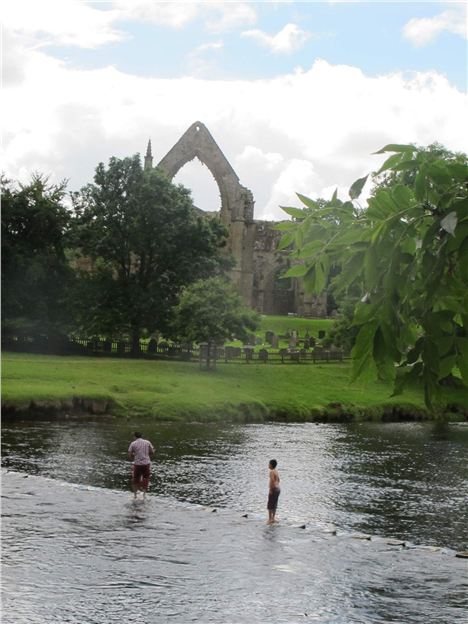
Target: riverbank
(179, 391)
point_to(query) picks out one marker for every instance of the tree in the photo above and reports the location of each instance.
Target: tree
(407, 252)
(35, 272)
(212, 311)
(142, 240)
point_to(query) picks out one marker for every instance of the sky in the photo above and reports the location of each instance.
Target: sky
(298, 95)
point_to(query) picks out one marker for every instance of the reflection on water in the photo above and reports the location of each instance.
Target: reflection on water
(78, 549)
(402, 480)
(81, 555)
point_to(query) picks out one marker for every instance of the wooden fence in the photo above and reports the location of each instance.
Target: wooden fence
(169, 351)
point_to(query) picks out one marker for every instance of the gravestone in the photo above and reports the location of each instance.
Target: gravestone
(321, 334)
(252, 340)
(248, 352)
(263, 355)
(274, 341)
(152, 346)
(269, 336)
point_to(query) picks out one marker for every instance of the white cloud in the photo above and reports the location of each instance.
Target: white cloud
(79, 23)
(287, 40)
(421, 31)
(67, 22)
(297, 174)
(171, 14)
(218, 16)
(200, 61)
(277, 133)
(230, 16)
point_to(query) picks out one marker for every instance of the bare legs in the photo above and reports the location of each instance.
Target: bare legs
(271, 516)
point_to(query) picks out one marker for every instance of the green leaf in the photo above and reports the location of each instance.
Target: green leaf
(420, 185)
(310, 203)
(462, 359)
(362, 352)
(298, 270)
(352, 235)
(370, 268)
(458, 171)
(390, 163)
(309, 280)
(320, 278)
(357, 186)
(405, 165)
(285, 241)
(439, 172)
(297, 213)
(377, 209)
(285, 226)
(403, 196)
(299, 237)
(395, 147)
(446, 365)
(385, 365)
(449, 223)
(352, 269)
(310, 249)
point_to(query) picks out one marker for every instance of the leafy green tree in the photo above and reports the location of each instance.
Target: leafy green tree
(407, 252)
(140, 240)
(212, 311)
(35, 272)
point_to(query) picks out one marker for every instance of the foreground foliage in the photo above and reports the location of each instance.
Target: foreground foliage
(406, 253)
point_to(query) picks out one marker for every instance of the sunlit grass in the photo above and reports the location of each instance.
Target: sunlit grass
(178, 390)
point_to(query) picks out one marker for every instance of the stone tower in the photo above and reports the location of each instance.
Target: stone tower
(148, 156)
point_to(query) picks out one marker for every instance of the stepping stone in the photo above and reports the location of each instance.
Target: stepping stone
(362, 537)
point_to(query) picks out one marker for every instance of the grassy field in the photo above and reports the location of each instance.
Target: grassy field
(180, 391)
(281, 324)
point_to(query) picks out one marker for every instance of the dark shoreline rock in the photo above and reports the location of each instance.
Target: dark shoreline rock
(79, 407)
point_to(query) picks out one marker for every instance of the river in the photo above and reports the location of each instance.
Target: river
(77, 549)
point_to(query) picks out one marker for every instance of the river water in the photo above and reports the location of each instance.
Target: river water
(77, 549)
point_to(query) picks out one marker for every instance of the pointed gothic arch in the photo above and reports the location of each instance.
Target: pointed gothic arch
(197, 142)
(237, 203)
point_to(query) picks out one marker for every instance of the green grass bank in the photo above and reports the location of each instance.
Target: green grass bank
(180, 391)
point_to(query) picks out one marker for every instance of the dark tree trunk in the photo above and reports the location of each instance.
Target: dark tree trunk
(136, 341)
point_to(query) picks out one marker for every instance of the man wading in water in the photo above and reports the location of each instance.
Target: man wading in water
(273, 491)
(140, 451)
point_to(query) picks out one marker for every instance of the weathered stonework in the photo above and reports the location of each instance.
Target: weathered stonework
(252, 243)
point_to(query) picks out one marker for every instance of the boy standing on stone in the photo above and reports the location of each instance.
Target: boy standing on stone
(140, 451)
(273, 490)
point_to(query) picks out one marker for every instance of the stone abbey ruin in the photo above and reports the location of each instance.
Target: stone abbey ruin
(259, 266)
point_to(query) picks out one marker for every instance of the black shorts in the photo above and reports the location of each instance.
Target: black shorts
(273, 499)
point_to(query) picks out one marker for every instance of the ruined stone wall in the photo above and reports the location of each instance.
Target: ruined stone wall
(237, 204)
(252, 243)
(271, 293)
